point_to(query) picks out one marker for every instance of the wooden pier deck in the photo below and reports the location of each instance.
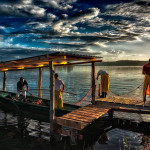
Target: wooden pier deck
(123, 102)
(81, 117)
(84, 116)
(120, 100)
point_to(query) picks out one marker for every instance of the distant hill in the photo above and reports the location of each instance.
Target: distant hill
(122, 63)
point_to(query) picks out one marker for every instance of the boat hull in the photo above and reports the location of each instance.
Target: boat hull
(30, 110)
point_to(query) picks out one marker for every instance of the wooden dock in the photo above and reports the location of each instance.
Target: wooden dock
(123, 102)
(119, 100)
(82, 117)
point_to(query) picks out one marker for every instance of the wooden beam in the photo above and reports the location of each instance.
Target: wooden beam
(52, 91)
(26, 67)
(40, 82)
(93, 82)
(4, 81)
(39, 60)
(128, 110)
(78, 63)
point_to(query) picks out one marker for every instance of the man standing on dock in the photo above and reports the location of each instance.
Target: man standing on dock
(21, 87)
(146, 72)
(58, 96)
(105, 79)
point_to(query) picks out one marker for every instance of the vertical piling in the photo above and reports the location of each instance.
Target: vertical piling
(40, 82)
(4, 81)
(52, 97)
(52, 91)
(93, 83)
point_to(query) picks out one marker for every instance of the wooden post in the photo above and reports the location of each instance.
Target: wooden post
(110, 114)
(52, 91)
(93, 82)
(4, 81)
(40, 82)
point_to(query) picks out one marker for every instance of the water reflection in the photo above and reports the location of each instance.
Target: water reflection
(26, 133)
(146, 142)
(77, 79)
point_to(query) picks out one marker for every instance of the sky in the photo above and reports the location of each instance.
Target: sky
(112, 29)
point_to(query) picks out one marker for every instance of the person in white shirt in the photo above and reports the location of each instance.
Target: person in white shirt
(59, 88)
(105, 79)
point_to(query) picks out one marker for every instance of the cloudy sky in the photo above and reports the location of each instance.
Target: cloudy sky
(113, 29)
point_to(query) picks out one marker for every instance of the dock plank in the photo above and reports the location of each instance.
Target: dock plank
(115, 102)
(80, 118)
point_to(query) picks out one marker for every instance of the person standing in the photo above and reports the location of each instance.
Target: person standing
(59, 88)
(21, 88)
(146, 72)
(105, 79)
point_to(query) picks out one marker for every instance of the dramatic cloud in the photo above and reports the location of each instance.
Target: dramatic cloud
(115, 30)
(21, 11)
(66, 25)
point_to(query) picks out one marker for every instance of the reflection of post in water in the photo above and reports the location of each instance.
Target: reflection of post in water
(21, 124)
(145, 142)
(39, 128)
(5, 119)
(103, 138)
(90, 141)
(55, 132)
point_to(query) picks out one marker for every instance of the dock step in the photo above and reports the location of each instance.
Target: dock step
(80, 118)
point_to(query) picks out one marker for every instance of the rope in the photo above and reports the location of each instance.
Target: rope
(79, 103)
(129, 91)
(114, 94)
(49, 90)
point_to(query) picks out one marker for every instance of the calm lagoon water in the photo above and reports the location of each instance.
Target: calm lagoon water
(25, 133)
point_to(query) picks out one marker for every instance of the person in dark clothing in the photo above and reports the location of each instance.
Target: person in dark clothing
(21, 88)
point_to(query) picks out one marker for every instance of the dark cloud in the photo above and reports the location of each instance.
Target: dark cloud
(59, 24)
(11, 1)
(21, 11)
(61, 5)
(5, 24)
(7, 54)
(143, 2)
(84, 13)
(70, 45)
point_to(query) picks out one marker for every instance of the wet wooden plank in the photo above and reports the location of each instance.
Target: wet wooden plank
(120, 100)
(138, 111)
(136, 105)
(81, 117)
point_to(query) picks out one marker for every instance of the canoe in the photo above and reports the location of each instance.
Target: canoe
(30, 109)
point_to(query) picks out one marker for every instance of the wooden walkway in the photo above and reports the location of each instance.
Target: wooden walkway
(80, 118)
(123, 102)
(84, 116)
(120, 100)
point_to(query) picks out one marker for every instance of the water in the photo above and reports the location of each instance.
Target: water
(26, 133)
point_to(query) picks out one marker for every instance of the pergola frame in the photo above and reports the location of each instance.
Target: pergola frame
(50, 60)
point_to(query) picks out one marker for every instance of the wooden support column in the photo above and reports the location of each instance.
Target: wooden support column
(52, 92)
(93, 83)
(110, 114)
(4, 81)
(40, 82)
